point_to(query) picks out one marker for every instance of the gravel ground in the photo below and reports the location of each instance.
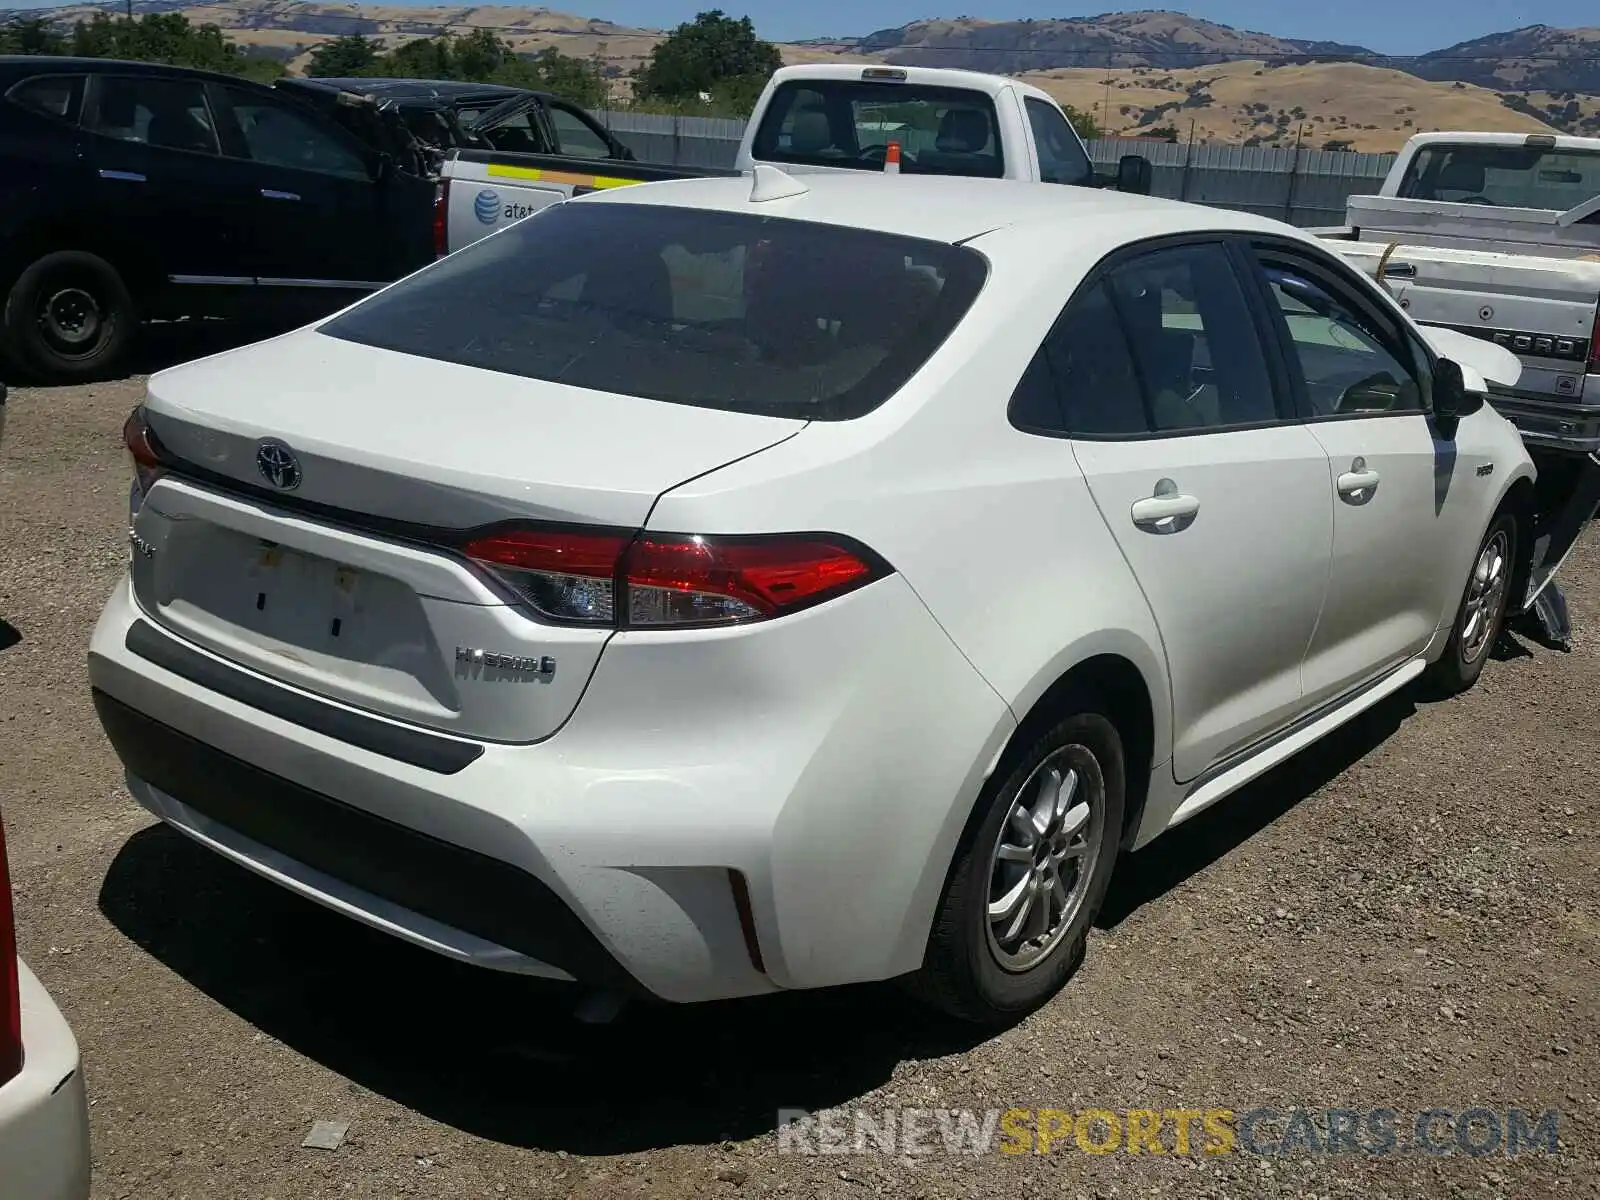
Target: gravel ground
(1405, 917)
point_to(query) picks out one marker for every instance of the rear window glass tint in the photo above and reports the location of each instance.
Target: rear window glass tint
(50, 95)
(849, 123)
(720, 310)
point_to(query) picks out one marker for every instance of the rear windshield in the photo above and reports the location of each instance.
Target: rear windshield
(849, 123)
(722, 310)
(1505, 176)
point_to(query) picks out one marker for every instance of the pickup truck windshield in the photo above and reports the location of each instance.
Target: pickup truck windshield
(850, 123)
(721, 310)
(1504, 176)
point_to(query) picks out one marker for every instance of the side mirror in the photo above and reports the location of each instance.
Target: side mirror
(1134, 174)
(1458, 392)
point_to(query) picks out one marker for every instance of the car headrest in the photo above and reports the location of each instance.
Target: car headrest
(1458, 176)
(118, 108)
(810, 133)
(963, 131)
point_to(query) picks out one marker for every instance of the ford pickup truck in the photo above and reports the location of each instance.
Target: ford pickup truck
(1497, 236)
(916, 120)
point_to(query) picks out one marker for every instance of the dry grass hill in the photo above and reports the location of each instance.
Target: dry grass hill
(1133, 72)
(1370, 108)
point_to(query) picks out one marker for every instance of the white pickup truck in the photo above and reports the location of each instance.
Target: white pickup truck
(1497, 235)
(918, 120)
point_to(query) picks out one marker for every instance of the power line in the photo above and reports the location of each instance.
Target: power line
(1201, 57)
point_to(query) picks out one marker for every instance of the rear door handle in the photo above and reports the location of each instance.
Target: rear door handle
(1400, 270)
(124, 176)
(1165, 512)
(271, 194)
(1357, 485)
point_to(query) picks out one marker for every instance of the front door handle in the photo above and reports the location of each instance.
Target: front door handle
(1358, 484)
(1168, 511)
(123, 176)
(271, 194)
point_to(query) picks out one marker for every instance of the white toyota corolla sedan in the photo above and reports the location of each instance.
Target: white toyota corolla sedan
(723, 586)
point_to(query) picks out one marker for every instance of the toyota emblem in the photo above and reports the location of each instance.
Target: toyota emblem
(278, 465)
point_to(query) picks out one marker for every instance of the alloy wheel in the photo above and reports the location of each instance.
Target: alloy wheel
(1486, 594)
(1043, 858)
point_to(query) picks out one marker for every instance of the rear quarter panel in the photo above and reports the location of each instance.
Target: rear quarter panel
(994, 528)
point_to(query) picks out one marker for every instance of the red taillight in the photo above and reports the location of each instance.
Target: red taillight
(10, 998)
(148, 463)
(652, 581)
(441, 218)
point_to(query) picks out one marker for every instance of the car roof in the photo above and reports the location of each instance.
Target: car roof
(419, 89)
(52, 64)
(940, 208)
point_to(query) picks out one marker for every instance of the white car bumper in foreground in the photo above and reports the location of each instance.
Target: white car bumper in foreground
(44, 1116)
(727, 812)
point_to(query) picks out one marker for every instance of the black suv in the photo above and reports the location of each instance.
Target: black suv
(134, 191)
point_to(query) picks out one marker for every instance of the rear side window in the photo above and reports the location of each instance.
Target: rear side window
(170, 113)
(720, 310)
(282, 137)
(850, 123)
(50, 95)
(1160, 343)
(1193, 339)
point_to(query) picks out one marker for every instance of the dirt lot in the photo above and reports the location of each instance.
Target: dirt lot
(1406, 917)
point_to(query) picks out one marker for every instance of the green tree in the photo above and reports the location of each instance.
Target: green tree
(480, 54)
(425, 58)
(350, 55)
(1088, 128)
(32, 36)
(168, 38)
(713, 54)
(564, 75)
(1167, 133)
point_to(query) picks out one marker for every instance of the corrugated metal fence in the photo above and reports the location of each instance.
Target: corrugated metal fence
(1305, 187)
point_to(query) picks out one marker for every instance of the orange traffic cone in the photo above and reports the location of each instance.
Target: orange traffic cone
(891, 159)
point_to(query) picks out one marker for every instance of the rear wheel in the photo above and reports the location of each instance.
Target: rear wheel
(1029, 878)
(69, 318)
(1482, 614)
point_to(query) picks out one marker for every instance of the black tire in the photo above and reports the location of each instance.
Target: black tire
(69, 318)
(1471, 643)
(962, 972)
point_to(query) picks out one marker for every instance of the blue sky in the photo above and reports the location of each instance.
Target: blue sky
(1403, 27)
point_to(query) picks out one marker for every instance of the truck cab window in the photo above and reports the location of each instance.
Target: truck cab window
(1503, 176)
(573, 135)
(1062, 158)
(850, 123)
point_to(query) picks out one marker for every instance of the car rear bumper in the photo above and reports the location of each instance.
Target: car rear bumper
(728, 812)
(44, 1115)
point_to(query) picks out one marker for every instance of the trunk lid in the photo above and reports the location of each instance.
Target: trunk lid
(347, 584)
